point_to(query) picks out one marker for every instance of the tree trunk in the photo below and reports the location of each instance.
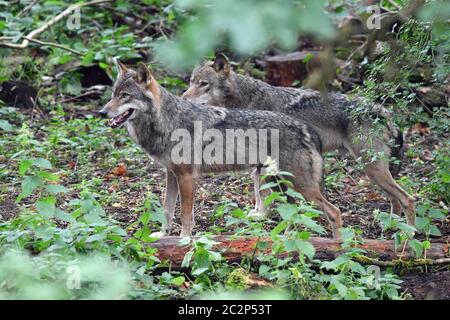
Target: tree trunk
(235, 248)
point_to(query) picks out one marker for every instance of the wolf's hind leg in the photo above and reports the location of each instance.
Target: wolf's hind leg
(396, 206)
(307, 170)
(170, 200)
(378, 172)
(186, 187)
(334, 216)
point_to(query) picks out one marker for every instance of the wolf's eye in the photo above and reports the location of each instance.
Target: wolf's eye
(124, 95)
(203, 83)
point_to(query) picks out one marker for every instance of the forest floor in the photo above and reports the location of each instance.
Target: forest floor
(132, 175)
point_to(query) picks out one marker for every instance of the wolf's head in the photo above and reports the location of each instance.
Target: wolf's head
(210, 82)
(134, 92)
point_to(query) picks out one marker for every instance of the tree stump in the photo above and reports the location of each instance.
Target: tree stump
(284, 70)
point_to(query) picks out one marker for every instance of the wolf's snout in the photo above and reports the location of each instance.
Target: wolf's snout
(187, 94)
(102, 113)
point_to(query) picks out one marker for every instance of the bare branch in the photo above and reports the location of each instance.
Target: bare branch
(30, 36)
(56, 45)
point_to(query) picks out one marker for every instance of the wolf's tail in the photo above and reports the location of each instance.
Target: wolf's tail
(397, 152)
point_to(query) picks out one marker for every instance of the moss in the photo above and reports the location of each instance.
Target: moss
(237, 279)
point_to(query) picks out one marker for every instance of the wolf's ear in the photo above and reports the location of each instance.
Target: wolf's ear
(221, 64)
(145, 78)
(143, 74)
(120, 66)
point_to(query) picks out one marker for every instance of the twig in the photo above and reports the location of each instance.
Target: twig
(27, 8)
(30, 36)
(56, 45)
(86, 94)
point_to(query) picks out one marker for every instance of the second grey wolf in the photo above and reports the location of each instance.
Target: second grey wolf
(214, 83)
(151, 115)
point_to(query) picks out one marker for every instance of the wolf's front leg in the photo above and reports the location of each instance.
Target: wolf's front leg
(170, 200)
(186, 187)
(260, 211)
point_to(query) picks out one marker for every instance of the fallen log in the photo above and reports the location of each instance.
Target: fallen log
(234, 249)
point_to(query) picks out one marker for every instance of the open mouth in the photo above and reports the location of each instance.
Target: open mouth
(120, 119)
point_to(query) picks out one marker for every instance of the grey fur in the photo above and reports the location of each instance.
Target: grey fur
(157, 113)
(214, 83)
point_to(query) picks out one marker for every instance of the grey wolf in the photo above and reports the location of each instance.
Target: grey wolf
(214, 83)
(151, 115)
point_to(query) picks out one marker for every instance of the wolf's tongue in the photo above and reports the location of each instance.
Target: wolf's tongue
(121, 118)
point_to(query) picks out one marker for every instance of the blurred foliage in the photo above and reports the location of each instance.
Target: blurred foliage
(244, 26)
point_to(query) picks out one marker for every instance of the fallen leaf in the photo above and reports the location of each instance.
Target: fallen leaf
(113, 188)
(120, 170)
(71, 164)
(419, 128)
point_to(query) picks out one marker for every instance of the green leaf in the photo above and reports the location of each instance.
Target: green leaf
(417, 246)
(29, 184)
(144, 234)
(436, 214)
(311, 224)
(56, 188)
(290, 245)
(199, 271)
(306, 248)
(422, 222)
(445, 177)
(206, 241)
(96, 237)
(268, 185)
(178, 281)
(342, 289)
(145, 217)
(187, 259)
(278, 229)
(421, 210)
(42, 163)
(238, 213)
(329, 265)
(24, 166)
(287, 210)
(264, 270)
(184, 241)
(46, 206)
(61, 215)
(6, 126)
(294, 194)
(434, 231)
(48, 176)
(271, 198)
(201, 258)
(304, 235)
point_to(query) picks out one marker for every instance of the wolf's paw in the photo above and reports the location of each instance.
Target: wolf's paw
(185, 233)
(158, 234)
